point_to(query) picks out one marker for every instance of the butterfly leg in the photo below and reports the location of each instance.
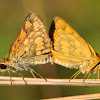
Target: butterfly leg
(32, 73)
(2, 73)
(77, 73)
(31, 70)
(22, 77)
(10, 76)
(85, 77)
(89, 75)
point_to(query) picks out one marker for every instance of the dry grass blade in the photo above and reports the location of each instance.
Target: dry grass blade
(78, 97)
(40, 81)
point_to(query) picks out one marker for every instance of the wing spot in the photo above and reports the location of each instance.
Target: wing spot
(31, 34)
(26, 41)
(38, 40)
(27, 25)
(40, 44)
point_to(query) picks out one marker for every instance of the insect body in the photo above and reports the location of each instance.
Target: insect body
(63, 46)
(31, 46)
(71, 50)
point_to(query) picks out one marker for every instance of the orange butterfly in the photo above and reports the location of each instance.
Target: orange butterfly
(71, 50)
(31, 46)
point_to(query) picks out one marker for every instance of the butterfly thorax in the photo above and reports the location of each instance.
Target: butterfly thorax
(9, 64)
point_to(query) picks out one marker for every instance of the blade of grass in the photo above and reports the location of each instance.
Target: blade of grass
(40, 81)
(78, 97)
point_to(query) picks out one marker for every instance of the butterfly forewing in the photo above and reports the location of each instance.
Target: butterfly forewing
(32, 45)
(69, 48)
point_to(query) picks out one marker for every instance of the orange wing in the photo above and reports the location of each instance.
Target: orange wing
(32, 45)
(69, 48)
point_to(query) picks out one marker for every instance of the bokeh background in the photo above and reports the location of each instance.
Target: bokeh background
(82, 15)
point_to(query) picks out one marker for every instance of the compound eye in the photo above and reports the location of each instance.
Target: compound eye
(2, 66)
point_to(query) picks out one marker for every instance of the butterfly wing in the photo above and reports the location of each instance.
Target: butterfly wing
(69, 48)
(32, 45)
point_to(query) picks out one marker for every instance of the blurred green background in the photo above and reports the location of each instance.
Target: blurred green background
(82, 15)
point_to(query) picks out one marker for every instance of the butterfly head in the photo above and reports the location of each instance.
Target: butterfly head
(3, 66)
(96, 68)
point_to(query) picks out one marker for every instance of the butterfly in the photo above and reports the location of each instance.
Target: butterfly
(31, 46)
(63, 46)
(70, 50)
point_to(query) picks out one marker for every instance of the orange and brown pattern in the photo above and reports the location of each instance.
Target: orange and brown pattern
(63, 46)
(31, 46)
(70, 49)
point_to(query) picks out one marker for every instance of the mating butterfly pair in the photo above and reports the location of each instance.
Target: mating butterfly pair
(63, 46)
